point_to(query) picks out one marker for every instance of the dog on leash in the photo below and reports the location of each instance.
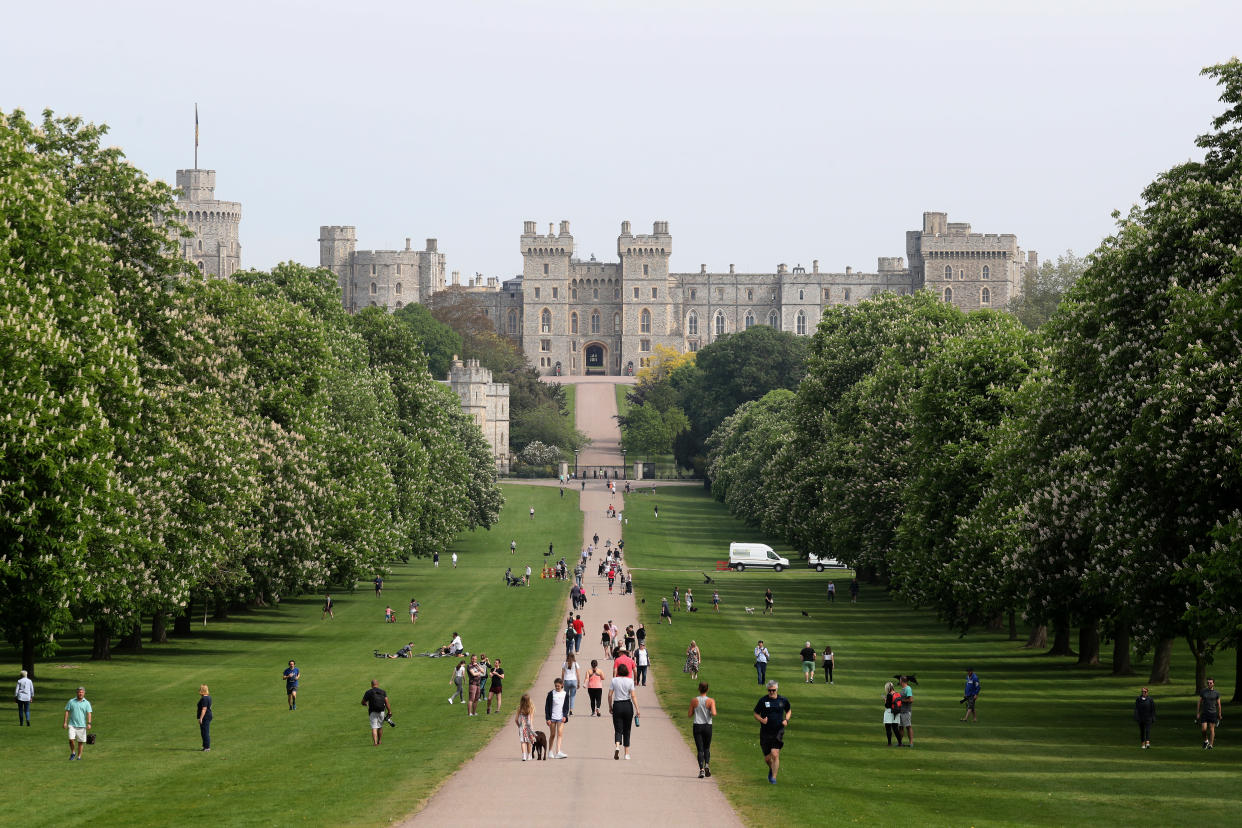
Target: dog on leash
(540, 749)
(749, 610)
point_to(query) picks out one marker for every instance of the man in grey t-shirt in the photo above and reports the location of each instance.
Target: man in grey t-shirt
(1208, 713)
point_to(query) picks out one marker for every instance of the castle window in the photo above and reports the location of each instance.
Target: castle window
(654, 293)
(948, 294)
(749, 321)
(644, 321)
(987, 272)
(573, 294)
(774, 320)
(545, 321)
(692, 324)
(847, 294)
(985, 297)
(802, 296)
(397, 288)
(750, 295)
(948, 272)
(594, 322)
(545, 270)
(616, 323)
(961, 274)
(693, 294)
(398, 306)
(645, 271)
(536, 293)
(373, 305)
(553, 293)
(573, 323)
(720, 323)
(635, 293)
(644, 344)
(545, 345)
(398, 268)
(616, 294)
(374, 288)
(200, 244)
(513, 322)
(595, 293)
(372, 270)
(800, 324)
(719, 293)
(827, 295)
(693, 345)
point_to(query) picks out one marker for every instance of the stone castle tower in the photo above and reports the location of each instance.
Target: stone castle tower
(214, 247)
(388, 279)
(487, 402)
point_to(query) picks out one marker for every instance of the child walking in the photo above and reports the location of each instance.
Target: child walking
(526, 734)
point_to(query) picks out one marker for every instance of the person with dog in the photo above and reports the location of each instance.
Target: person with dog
(702, 710)
(291, 675)
(1208, 713)
(79, 716)
(376, 702)
(526, 730)
(623, 706)
(497, 686)
(555, 713)
(768, 602)
(772, 712)
(595, 687)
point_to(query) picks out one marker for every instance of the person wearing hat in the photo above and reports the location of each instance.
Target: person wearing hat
(772, 712)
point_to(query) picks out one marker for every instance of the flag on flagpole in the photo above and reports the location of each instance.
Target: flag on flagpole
(196, 136)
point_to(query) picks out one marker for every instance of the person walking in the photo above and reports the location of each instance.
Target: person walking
(435, 560)
(829, 662)
(512, 547)
(79, 716)
(454, 557)
(571, 673)
(808, 663)
(906, 712)
(689, 600)
(459, 675)
(497, 687)
(642, 660)
(768, 602)
(595, 687)
(892, 715)
(475, 673)
(376, 702)
(204, 715)
(676, 599)
(606, 640)
(623, 705)
(554, 713)
(761, 662)
(1145, 715)
(640, 634)
(1208, 713)
(693, 659)
(772, 712)
(24, 694)
(379, 586)
(579, 629)
(716, 600)
(413, 610)
(291, 675)
(664, 613)
(702, 710)
(854, 591)
(832, 592)
(526, 731)
(327, 607)
(970, 694)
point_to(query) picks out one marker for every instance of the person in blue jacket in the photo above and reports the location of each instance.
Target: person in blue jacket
(970, 694)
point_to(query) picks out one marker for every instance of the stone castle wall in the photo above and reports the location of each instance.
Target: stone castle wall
(215, 246)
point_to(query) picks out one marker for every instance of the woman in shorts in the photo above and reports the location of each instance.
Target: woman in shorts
(606, 640)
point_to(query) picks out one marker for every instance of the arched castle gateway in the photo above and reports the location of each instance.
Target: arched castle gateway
(590, 317)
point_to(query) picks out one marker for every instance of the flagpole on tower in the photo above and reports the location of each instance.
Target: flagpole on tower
(196, 136)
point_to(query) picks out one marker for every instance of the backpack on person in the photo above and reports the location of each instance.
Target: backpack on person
(894, 701)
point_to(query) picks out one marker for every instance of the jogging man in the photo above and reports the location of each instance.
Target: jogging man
(772, 712)
(291, 675)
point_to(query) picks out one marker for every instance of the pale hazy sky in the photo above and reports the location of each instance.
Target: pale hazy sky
(764, 132)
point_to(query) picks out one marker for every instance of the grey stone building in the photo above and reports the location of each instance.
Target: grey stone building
(385, 278)
(214, 247)
(577, 317)
(487, 402)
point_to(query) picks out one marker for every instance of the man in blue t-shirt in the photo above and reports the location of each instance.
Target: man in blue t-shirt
(291, 676)
(970, 694)
(772, 712)
(78, 720)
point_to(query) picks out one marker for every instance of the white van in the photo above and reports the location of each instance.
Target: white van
(756, 555)
(820, 564)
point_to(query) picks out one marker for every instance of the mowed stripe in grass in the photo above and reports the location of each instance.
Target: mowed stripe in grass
(315, 765)
(1055, 744)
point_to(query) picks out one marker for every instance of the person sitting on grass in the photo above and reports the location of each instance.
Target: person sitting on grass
(404, 652)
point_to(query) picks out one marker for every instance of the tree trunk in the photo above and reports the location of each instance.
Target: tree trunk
(101, 648)
(1089, 644)
(132, 639)
(1013, 626)
(1061, 639)
(1198, 648)
(1122, 665)
(159, 628)
(1160, 659)
(181, 625)
(1038, 639)
(28, 652)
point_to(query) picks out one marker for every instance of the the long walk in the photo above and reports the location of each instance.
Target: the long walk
(659, 784)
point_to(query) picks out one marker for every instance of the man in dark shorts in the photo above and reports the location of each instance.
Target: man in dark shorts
(291, 675)
(376, 702)
(767, 602)
(1208, 713)
(379, 586)
(772, 712)
(498, 678)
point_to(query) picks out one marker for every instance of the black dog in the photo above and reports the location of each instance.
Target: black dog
(540, 749)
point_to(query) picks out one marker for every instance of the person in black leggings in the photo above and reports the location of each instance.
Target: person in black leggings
(624, 709)
(702, 711)
(595, 676)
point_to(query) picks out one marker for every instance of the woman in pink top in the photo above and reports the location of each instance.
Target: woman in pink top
(595, 687)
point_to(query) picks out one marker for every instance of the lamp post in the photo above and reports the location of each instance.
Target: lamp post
(575, 463)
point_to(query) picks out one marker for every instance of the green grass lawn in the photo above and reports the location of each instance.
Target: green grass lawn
(1054, 745)
(315, 765)
(571, 404)
(621, 390)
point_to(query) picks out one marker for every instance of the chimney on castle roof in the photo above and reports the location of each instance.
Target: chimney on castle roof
(625, 228)
(781, 269)
(432, 245)
(702, 268)
(407, 242)
(848, 270)
(564, 228)
(815, 265)
(730, 268)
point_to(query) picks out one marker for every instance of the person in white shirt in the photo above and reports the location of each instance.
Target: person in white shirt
(623, 706)
(642, 659)
(555, 708)
(24, 693)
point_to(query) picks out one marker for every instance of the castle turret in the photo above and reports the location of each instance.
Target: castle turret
(646, 291)
(546, 265)
(215, 245)
(336, 253)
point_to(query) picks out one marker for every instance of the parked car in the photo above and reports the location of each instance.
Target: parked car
(756, 555)
(820, 564)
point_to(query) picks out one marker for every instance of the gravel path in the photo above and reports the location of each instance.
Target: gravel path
(659, 784)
